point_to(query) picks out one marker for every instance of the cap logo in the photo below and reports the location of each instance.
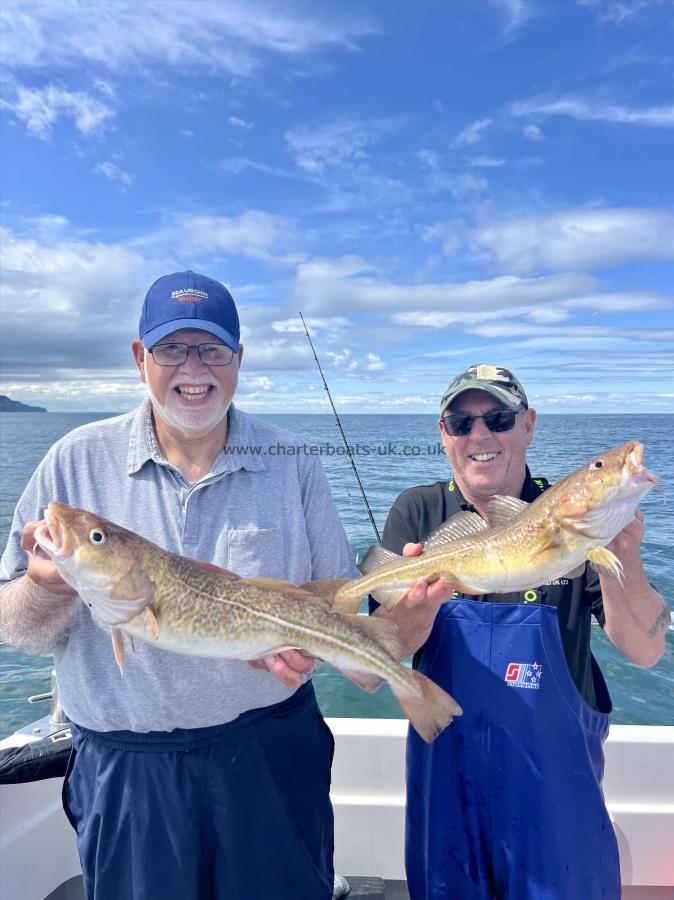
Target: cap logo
(189, 295)
(491, 373)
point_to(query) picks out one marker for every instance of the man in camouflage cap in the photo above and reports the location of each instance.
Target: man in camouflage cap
(507, 802)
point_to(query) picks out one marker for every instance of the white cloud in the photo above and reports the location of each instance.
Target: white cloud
(577, 239)
(126, 35)
(429, 158)
(472, 133)
(237, 164)
(623, 302)
(459, 186)
(40, 108)
(515, 14)
(67, 299)
(332, 324)
(616, 12)
(114, 173)
(237, 122)
(337, 143)
(533, 133)
(350, 284)
(601, 333)
(596, 110)
(486, 162)
(451, 234)
(375, 363)
(254, 234)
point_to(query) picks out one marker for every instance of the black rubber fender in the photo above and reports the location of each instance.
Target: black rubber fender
(36, 760)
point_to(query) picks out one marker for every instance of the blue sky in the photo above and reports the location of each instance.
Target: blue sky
(433, 184)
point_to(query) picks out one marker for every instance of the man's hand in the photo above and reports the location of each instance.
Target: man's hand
(422, 593)
(636, 617)
(626, 543)
(41, 570)
(288, 666)
(415, 613)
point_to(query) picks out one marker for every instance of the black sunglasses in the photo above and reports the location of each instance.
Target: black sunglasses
(461, 424)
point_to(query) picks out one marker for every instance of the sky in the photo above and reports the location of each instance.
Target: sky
(433, 184)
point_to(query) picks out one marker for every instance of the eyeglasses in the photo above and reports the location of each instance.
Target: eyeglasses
(176, 354)
(461, 424)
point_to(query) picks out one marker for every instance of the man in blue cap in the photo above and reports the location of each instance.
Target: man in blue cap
(507, 803)
(191, 778)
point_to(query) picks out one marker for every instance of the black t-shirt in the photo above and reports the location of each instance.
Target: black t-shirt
(420, 510)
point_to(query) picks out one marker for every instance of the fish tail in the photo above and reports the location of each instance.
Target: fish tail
(429, 708)
(342, 593)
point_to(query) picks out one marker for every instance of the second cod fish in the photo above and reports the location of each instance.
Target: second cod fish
(188, 607)
(523, 545)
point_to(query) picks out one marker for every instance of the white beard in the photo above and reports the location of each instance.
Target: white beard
(190, 422)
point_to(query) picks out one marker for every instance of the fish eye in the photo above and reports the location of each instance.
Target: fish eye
(597, 464)
(97, 536)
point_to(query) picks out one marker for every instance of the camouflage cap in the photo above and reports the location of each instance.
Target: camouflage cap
(495, 380)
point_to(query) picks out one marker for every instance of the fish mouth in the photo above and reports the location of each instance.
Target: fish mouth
(53, 537)
(633, 466)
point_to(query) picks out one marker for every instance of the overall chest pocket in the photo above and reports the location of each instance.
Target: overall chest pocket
(255, 552)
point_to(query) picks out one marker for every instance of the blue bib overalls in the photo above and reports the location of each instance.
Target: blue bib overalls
(507, 801)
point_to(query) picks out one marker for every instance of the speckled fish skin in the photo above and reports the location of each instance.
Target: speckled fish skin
(188, 607)
(531, 544)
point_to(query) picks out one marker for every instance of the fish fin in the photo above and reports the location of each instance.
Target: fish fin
(551, 539)
(382, 632)
(461, 525)
(132, 646)
(605, 562)
(213, 568)
(348, 598)
(572, 509)
(364, 680)
(504, 510)
(118, 648)
(430, 709)
(577, 572)
(276, 584)
(151, 622)
(326, 589)
(388, 597)
(303, 592)
(376, 557)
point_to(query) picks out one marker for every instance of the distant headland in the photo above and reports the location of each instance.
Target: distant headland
(7, 405)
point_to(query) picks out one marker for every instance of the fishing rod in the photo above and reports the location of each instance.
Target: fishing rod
(341, 431)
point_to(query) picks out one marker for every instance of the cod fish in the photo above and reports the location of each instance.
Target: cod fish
(523, 545)
(193, 608)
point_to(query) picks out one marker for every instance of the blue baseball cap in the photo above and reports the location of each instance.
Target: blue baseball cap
(188, 300)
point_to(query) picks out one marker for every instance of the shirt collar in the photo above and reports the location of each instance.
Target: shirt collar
(241, 438)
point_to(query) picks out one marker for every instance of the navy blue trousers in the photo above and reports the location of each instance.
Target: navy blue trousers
(238, 811)
(507, 802)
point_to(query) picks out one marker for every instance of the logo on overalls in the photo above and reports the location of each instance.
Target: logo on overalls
(523, 675)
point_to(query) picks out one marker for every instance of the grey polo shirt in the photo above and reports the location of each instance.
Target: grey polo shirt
(264, 510)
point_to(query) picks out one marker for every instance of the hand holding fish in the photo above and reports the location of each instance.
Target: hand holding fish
(626, 543)
(288, 666)
(415, 614)
(41, 569)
